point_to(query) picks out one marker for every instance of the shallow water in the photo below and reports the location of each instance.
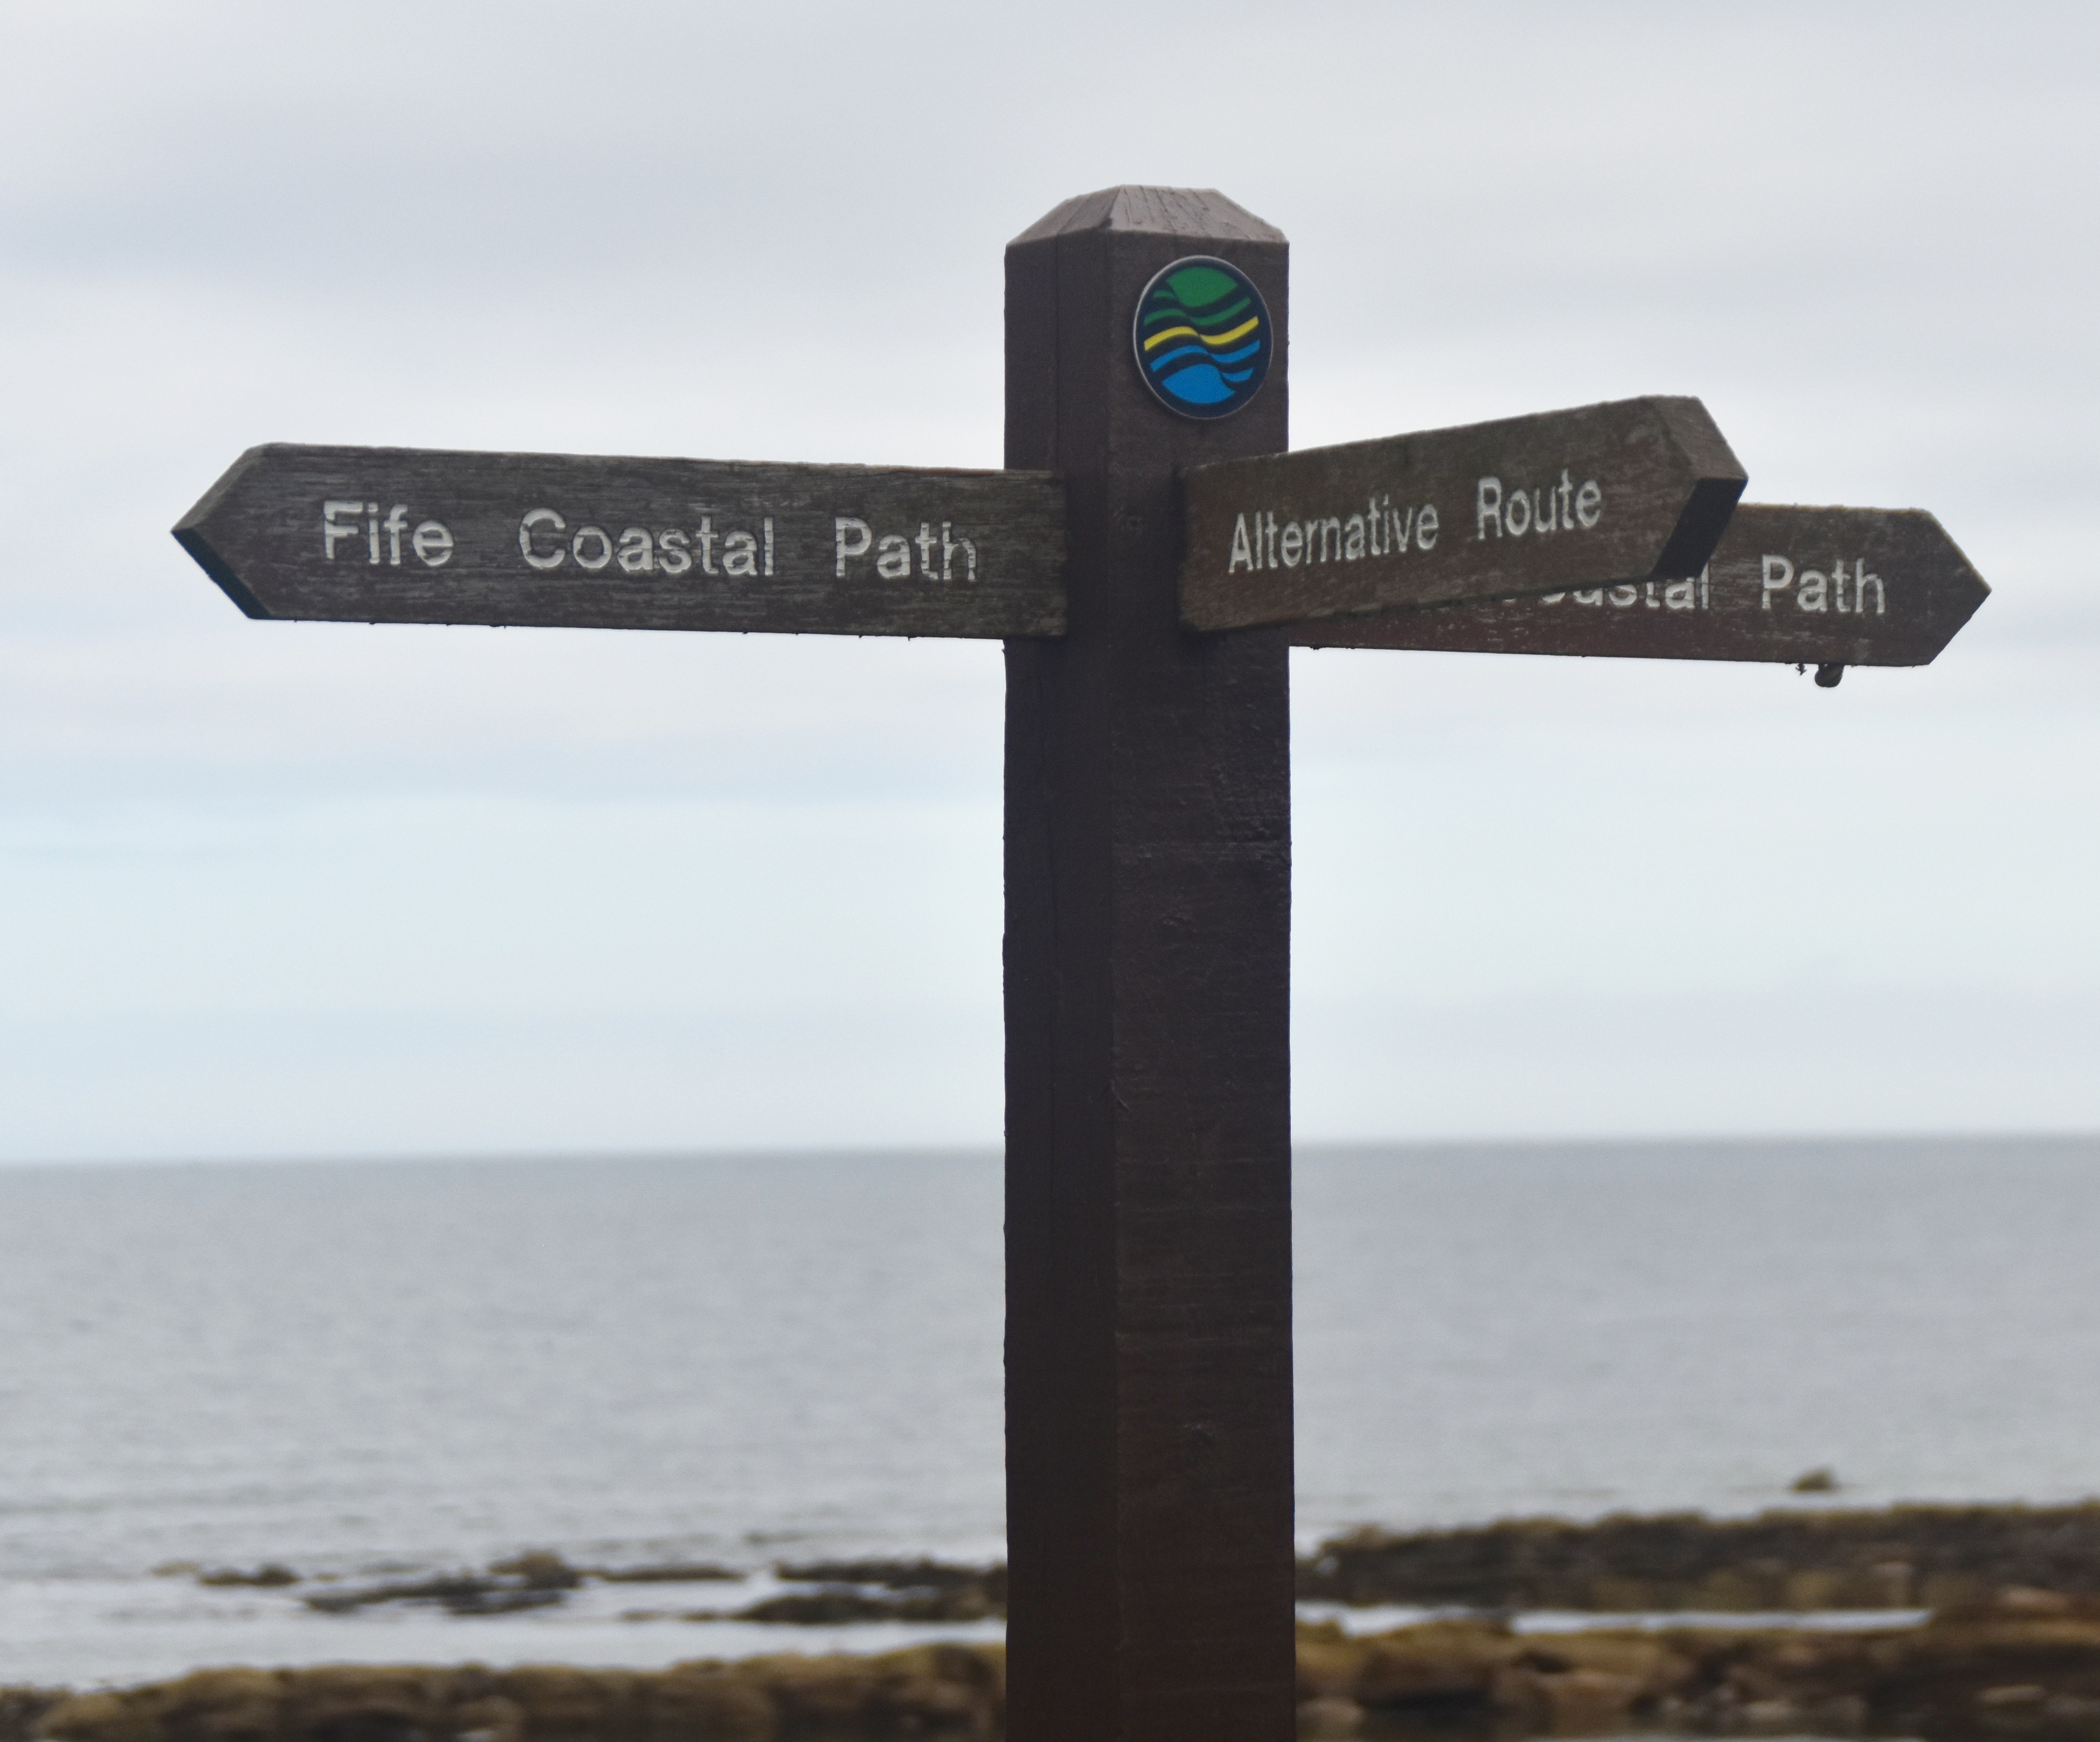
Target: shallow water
(353, 1367)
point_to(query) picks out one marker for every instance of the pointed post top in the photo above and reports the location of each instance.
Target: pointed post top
(1194, 212)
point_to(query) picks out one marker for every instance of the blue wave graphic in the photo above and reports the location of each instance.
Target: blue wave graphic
(1200, 384)
(1161, 361)
(1241, 355)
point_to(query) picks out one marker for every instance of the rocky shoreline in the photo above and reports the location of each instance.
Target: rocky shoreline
(2009, 1652)
(1797, 1560)
(815, 1593)
(2026, 1668)
(1927, 1557)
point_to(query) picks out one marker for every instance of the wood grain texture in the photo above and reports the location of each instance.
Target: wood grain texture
(398, 534)
(1813, 586)
(1200, 214)
(1523, 505)
(1148, 866)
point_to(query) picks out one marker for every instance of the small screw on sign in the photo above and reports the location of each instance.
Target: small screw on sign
(1202, 338)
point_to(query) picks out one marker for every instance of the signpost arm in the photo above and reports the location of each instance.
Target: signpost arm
(1827, 587)
(1149, 1403)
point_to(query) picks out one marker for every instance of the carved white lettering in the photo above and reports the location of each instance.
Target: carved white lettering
(432, 542)
(1861, 581)
(541, 517)
(1778, 573)
(637, 551)
(1539, 510)
(333, 531)
(600, 548)
(1488, 507)
(849, 538)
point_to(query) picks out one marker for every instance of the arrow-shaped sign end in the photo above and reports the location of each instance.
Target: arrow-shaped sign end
(190, 533)
(1720, 482)
(1960, 589)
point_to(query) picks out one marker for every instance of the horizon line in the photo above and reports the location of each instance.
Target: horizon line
(879, 1151)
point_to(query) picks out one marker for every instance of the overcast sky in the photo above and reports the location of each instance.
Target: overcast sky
(278, 889)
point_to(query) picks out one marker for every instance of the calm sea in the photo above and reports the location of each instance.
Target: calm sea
(359, 1369)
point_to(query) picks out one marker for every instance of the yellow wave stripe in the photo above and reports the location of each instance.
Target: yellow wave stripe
(1223, 338)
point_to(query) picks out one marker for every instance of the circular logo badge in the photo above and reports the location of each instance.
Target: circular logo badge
(1203, 338)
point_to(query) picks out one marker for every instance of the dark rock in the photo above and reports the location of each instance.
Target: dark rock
(897, 1575)
(820, 1608)
(835, 1603)
(269, 1575)
(463, 1594)
(668, 1573)
(1935, 1557)
(888, 1590)
(538, 1570)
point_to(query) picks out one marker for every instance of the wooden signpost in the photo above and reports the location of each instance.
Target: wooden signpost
(1138, 562)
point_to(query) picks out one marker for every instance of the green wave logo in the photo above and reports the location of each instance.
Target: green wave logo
(1202, 338)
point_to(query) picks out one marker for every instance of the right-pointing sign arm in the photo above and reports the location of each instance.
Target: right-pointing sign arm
(1815, 586)
(1616, 492)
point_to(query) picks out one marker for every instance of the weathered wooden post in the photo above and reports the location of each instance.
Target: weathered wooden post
(1148, 935)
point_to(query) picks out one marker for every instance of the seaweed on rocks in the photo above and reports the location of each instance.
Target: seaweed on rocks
(897, 1575)
(268, 1576)
(935, 1691)
(663, 1572)
(1800, 1559)
(883, 1590)
(1994, 1674)
(526, 1582)
(828, 1604)
(2013, 1669)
